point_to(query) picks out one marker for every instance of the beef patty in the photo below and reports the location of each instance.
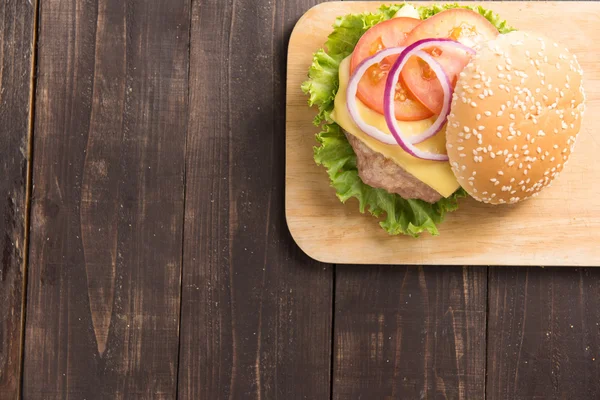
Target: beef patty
(378, 171)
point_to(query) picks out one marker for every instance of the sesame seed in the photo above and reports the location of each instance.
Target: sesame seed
(473, 104)
(499, 113)
(500, 68)
(478, 117)
(468, 136)
(512, 116)
(467, 129)
(498, 134)
(487, 113)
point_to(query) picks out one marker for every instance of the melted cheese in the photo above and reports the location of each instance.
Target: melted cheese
(436, 174)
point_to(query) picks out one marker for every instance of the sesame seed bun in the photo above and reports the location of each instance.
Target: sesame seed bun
(516, 112)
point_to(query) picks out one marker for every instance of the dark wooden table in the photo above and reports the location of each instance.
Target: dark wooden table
(145, 252)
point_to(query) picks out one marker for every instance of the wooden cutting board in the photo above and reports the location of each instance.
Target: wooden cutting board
(560, 227)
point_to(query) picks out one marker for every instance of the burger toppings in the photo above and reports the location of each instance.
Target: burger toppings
(379, 59)
(390, 33)
(390, 94)
(415, 49)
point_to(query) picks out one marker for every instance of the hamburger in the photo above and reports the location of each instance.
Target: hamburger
(422, 106)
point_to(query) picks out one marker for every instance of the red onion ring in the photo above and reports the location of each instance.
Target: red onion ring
(397, 137)
(394, 74)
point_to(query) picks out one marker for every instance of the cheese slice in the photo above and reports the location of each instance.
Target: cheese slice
(436, 174)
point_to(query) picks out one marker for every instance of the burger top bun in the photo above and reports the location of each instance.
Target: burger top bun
(516, 112)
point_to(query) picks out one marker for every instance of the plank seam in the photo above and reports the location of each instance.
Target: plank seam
(28, 188)
(332, 347)
(185, 153)
(487, 330)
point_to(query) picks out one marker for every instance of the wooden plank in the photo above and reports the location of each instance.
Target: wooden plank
(16, 58)
(476, 234)
(409, 333)
(256, 311)
(544, 334)
(107, 208)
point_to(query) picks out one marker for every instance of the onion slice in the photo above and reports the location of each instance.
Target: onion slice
(397, 137)
(394, 74)
(353, 88)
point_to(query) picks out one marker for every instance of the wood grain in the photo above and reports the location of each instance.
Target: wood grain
(16, 58)
(107, 207)
(476, 234)
(256, 311)
(409, 333)
(544, 334)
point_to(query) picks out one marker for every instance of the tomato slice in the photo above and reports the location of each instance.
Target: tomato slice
(390, 33)
(465, 26)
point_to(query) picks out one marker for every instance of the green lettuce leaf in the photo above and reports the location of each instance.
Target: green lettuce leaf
(334, 152)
